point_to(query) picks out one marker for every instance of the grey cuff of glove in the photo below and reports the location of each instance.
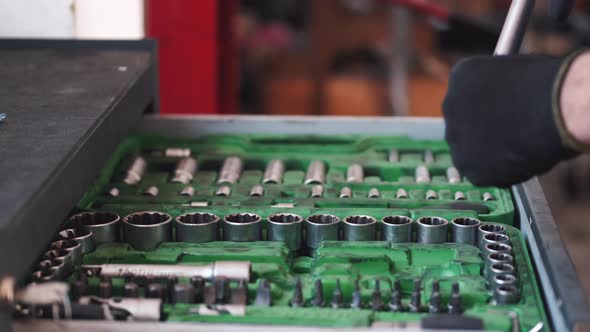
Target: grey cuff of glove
(567, 138)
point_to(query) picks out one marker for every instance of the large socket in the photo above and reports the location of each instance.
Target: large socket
(274, 172)
(82, 235)
(242, 227)
(197, 227)
(464, 230)
(103, 225)
(431, 230)
(145, 230)
(396, 229)
(359, 228)
(321, 227)
(285, 227)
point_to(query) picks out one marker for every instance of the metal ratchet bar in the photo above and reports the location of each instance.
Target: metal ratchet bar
(514, 27)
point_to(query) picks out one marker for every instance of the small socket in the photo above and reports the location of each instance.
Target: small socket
(257, 191)
(401, 193)
(317, 191)
(422, 174)
(224, 191)
(374, 193)
(152, 191)
(431, 194)
(346, 192)
(460, 196)
(355, 174)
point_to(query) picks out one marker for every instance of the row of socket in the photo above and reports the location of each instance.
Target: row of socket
(317, 191)
(232, 169)
(145, 230)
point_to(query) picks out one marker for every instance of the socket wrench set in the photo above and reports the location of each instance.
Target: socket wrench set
(266, 229)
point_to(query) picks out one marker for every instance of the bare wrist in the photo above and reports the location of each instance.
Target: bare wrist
(575, 99)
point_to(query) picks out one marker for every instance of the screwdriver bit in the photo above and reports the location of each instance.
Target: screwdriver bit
(155, 290)
(357, 300)
(337, 297)
(105, 288)
(79, 287)
(376, 299)
(130, 289)
(239, 294)
(222, 290)
(455, 307)
(395, 303)
(434, 307)
(263, 295)
(298, 300)
(415, 301)
(182, 293)
(318, 294)
(198, 288)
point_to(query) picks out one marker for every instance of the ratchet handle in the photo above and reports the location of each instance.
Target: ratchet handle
(514, 27)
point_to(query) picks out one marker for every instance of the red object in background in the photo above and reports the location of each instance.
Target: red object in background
(197, 57)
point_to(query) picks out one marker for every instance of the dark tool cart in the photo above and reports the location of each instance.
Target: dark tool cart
(116, 218)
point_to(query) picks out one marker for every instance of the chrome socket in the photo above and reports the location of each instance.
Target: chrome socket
(428, 157)
(152, 191)
(145, 230)
(359, 228)
(401, 193)
(464, 230)
(56, 269)
(44, 275)
(82, 235)
(285, 227)
(257, 191)
(114, 192)
(223, 191)
(393, 156)
(317, 191)
(431, 230)
(230, 171)
(345, 192)
(316, 173)
(72, 246)
(197, 227)
(61, 255)
(422, 174)
(499, 269)
(396, 229)
(135, 171)
(321, 227)
(187, 191)
(185, 170)
(495, 238)
(373, 193)
(488, 197)
(355, 173)
(242, 227)
(493, 248)
(460, 196)
(488, 229)
(103, 225)
(453, 175)
(506, 294)
(504, 280)
(274, 172)
(431, 194)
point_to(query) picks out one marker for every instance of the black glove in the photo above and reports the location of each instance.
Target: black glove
(560, 9)
(503, 124)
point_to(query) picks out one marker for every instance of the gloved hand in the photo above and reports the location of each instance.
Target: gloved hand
(503, 122)
(560, 9)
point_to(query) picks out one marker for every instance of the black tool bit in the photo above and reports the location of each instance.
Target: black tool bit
(435, 305)
(376, 298)
(455, 307)
(318, 294)
(395, 303)
(415, 300)
(298, 300)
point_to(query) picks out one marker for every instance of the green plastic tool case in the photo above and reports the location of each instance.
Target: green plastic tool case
(369, 274)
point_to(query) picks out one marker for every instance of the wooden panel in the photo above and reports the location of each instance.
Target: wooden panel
(354, 96)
